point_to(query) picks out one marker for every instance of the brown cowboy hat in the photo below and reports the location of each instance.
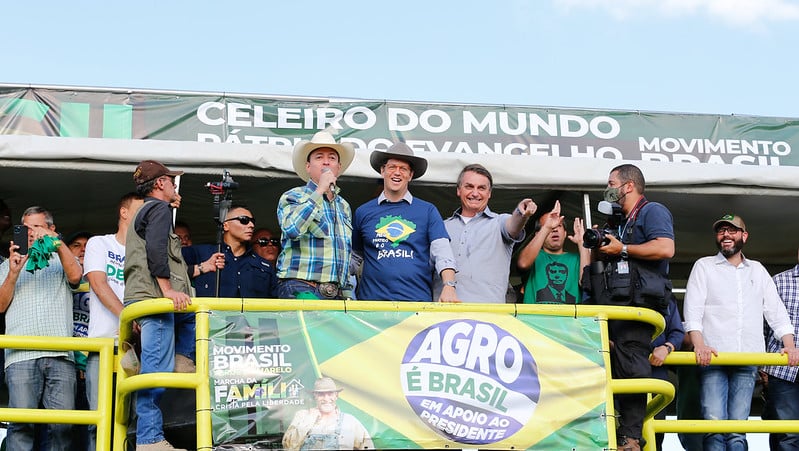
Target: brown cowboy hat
(399, 151)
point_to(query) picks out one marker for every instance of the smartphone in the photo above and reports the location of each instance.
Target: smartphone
(21, 238)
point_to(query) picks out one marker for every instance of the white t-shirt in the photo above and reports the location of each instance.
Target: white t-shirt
(105, 254)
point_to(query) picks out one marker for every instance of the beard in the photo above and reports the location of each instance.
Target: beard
(729, 252)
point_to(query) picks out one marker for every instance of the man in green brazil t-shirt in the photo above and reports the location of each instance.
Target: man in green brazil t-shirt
(554, 273)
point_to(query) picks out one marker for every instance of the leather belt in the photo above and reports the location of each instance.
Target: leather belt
(326, 289)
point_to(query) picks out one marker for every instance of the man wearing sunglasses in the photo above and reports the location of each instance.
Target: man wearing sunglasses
(242, 272)
(316, 223)
(266, 244)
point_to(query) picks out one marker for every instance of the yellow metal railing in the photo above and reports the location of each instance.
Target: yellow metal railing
(199, 382)
(100, 417)
(659, 401)
(202, 307)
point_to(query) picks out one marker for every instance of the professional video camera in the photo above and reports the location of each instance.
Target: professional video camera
(221, 187)
(594, 238)
(223, 198)
(223, 195)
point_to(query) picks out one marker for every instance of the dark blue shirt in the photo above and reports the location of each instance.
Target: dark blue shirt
(652, 221)
(245, 276)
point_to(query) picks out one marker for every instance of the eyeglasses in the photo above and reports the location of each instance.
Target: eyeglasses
(268, 242)
(728, 230)
(244, 220)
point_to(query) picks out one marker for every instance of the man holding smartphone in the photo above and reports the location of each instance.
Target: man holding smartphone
(21, 239)
(23, 296)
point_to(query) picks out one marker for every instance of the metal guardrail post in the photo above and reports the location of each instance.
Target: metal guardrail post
(664, 391)
(100, 417)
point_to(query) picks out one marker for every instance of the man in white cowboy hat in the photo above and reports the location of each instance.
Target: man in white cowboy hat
(316, 223)
(401, 239)
(325, 426)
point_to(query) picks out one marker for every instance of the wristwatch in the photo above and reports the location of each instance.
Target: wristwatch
(624, 251)
(451, 283)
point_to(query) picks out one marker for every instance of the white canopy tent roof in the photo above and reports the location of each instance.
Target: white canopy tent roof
(81, 179)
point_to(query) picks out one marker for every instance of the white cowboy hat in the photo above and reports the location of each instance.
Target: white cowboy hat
(399, 151)
(346, 152)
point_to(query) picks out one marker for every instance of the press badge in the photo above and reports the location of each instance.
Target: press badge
(623, 267)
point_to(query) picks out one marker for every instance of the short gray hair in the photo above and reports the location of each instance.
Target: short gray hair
(35, 210)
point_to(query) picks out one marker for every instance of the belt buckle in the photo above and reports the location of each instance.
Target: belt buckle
(328, 289)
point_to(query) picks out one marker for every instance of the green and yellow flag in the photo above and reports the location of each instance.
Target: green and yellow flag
(429, 379)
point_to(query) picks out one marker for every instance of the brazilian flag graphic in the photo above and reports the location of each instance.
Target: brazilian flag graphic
(407, 380)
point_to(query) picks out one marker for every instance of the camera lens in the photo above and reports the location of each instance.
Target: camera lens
(592, 238)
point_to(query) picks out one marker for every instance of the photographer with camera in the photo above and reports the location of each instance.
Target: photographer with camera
(630, 267)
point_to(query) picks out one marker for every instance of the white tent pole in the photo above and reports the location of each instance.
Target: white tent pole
(175, 210)
(587, 211)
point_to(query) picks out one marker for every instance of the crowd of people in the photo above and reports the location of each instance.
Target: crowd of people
(395, 247)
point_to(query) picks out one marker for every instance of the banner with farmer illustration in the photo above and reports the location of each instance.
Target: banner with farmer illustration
(402, 380)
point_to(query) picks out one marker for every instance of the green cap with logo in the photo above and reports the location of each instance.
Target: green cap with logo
(733, 220)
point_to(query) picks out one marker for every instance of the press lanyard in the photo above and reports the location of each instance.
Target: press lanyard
(632, 216)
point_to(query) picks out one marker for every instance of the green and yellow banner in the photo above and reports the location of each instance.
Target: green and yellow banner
(407, 380)
(425, 127)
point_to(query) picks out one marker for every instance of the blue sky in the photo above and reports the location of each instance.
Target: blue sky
(698, 56)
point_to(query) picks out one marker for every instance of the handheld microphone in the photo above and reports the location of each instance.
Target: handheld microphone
(332, 184)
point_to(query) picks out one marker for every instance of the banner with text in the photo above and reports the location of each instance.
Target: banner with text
(370, 125)
(405, 380)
